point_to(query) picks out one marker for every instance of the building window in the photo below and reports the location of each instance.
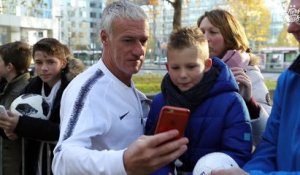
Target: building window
(93, 4)
(93, 15)
(93, 35)
(40, 34)
(93, 25)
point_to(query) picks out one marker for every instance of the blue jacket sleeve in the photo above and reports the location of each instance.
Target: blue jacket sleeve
(151, 122)
(264, 160)
(153, 115)
(237, 140)
(274, 173)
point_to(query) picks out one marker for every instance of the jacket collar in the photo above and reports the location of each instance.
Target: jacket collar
(295, 67)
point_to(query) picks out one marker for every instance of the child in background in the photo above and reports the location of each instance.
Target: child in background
(219, 120)
(51, 60)
(15, 59)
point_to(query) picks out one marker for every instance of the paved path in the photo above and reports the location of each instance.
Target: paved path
(271, 76)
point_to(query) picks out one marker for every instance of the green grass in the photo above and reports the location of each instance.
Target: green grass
(271, 84)
(150, 83)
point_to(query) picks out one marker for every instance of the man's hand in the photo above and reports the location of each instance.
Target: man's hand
(148, 153)
(230, 171)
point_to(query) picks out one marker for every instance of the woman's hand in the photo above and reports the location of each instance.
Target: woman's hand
(244, 82)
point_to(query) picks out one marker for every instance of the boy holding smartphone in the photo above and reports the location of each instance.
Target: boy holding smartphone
(219, 120)
(15, 59)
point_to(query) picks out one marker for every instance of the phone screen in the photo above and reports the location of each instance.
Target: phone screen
(173, 118)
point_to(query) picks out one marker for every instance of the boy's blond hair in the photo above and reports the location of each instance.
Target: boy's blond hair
(189, 37)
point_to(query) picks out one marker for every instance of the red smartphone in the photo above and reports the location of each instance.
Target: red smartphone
(172, 117)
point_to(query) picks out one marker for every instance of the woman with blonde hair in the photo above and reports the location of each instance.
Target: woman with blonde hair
(227, 40)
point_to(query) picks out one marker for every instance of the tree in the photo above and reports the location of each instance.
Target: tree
(254, 17)
(285, 39)
(177, 5)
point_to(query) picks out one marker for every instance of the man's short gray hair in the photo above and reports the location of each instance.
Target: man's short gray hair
(122, 9)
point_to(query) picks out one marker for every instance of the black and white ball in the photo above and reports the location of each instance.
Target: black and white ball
(32, 105)
(213, 161)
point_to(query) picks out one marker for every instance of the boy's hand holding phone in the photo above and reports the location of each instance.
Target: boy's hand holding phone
(3, 111)
(172, 117)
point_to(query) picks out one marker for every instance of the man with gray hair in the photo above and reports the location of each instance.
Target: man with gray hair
(103, 114)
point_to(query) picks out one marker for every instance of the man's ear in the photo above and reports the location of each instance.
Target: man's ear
(104, 37)
(167, 66)
(208, 64)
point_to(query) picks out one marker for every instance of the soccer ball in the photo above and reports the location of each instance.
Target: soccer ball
(32, 105)
(213, 161)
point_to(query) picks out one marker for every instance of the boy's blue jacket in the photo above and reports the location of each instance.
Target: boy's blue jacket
(220, 123)
(279, 150)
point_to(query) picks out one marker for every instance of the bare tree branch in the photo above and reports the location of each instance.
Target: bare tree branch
(171, 2)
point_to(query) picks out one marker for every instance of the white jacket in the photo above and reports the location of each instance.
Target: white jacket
(100, 117)
(261, 95)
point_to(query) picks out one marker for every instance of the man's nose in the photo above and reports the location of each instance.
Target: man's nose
(139, 49)
(293, 27)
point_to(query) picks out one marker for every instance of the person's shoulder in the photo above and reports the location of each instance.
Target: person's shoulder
(92, 78)
(295, 66)
(254, 73)
(34, 85)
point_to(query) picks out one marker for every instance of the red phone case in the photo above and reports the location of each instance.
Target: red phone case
(172, 117)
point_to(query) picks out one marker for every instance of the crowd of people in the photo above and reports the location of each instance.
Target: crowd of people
(100, 123)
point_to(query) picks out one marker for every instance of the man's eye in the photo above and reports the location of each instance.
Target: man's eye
(144, 42)
(128, 40)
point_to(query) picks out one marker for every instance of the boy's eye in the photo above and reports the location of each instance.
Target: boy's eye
(38, 62)
(191, 66)
(175, 67)
(51, 62)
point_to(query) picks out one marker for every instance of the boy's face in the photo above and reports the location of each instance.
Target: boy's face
(48, 67)
(186, 68)
(2, 67)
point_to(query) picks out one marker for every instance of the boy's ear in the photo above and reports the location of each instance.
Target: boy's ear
(208, 64)
(64, 64)
(10, 66)
(167, 66)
